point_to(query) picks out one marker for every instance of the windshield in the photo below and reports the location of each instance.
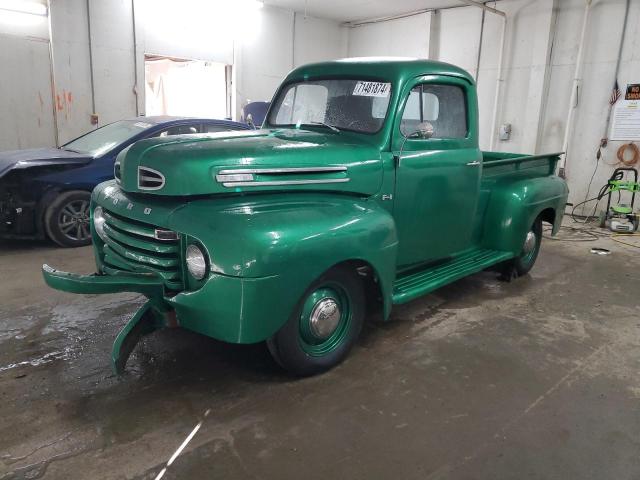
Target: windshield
(105, 138)
(347, 104)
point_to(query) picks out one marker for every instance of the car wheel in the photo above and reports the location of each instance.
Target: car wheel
(324, 326)
(530, 249)
(67, 219)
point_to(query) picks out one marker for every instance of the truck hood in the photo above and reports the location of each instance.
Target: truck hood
(232, 162)
(35, 157)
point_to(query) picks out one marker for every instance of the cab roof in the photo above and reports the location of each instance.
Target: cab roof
(393, 69)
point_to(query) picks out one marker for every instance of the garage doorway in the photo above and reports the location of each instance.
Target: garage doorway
(183, 87)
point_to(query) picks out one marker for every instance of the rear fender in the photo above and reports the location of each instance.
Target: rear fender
(513, 206)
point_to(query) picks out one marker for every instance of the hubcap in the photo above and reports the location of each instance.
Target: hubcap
(324, 318)
(74, 220)
(529, 243)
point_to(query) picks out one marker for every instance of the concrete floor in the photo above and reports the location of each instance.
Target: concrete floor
(537, 378)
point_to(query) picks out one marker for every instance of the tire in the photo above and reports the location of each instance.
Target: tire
(602, 219)
(304, 347)
(66, 220)
(523, 263)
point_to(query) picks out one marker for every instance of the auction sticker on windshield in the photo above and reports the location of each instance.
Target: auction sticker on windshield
(372, 89)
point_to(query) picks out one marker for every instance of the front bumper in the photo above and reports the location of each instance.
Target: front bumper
(230, 309)
(149, 285)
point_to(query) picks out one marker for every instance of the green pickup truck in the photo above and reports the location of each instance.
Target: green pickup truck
(364, 188)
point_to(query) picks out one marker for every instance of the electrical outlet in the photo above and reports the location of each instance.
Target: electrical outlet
(505, 132)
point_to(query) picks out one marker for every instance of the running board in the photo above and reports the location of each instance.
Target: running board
(409, 287)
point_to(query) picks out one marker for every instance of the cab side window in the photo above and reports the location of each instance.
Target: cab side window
(443, 106)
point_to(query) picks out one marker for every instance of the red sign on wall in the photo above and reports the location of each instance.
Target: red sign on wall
(633, 91)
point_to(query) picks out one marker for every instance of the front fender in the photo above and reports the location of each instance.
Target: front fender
(293, 238)
(514, 205)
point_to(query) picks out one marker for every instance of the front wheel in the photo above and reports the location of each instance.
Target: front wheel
(324, 326)
(66, 220)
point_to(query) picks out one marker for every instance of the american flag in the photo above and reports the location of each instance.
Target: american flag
(615, 94)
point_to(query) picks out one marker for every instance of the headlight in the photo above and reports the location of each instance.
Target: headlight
(98, 222)
(196, 262)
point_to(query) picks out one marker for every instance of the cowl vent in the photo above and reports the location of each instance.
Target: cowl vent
(149, 179)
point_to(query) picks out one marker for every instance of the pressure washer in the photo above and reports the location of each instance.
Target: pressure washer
(620, 217)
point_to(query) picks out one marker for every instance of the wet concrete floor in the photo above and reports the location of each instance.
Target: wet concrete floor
(537, 378)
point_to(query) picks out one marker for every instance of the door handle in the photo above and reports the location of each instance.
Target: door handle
(473, 164)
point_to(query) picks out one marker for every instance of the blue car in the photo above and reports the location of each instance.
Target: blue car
(45, 192)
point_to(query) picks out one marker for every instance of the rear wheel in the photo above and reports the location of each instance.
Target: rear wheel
(324, 326)
(522, 264)
(67, 219)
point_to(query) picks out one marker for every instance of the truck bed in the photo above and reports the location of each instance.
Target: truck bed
(496, 164)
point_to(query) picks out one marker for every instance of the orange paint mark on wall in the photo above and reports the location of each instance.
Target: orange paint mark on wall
(64, 102)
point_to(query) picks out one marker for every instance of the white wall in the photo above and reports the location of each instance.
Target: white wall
(601, 48)
(71, 72)
(264, 60)
(283, 40)
(525, 61)
(458, 36)
(25, 89)
(317, 40)
(113, 59)
(188, 29)
(260, 46)
(404, 37)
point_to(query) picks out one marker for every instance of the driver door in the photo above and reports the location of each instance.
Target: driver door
(437, 178)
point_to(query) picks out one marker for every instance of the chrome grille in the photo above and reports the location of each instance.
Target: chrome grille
(149, 179)
(131, 246)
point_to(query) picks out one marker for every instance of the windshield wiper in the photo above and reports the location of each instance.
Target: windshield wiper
(330, 127)
(69, 149)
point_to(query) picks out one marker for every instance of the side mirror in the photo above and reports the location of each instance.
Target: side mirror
(424, 131)
(250, 121)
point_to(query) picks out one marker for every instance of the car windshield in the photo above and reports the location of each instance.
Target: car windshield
(105, 138)
(347, 104)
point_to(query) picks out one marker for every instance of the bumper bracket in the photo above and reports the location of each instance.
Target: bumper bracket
(149, 318)
(153, 315)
